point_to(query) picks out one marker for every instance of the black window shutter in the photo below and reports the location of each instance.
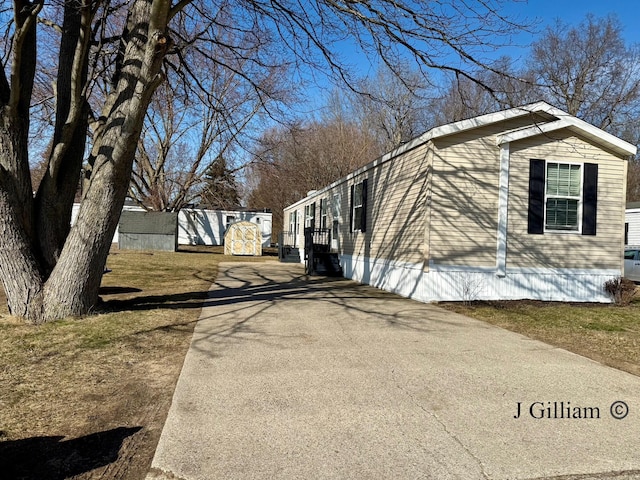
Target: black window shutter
(590, 199)
(536, 197)
(626, 233)
(351, 209)
(313, 215)
(363, 217)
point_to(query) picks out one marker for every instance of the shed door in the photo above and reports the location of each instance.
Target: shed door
(244, 241)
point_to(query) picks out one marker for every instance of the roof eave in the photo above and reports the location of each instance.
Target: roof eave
(576, 125)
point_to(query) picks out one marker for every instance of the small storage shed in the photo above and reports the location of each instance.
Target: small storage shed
(243, 238)
(525, 203)
(148, 231)
(197, 226)
(208, 227)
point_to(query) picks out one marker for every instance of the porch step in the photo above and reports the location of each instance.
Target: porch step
(290, 255)
(328, 264)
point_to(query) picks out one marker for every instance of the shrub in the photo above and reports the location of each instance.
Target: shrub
(621, 290)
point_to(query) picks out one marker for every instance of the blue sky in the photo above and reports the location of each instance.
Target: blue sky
(542, 12)
(573, 12)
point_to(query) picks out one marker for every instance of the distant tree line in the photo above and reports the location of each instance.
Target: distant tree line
(586, 70)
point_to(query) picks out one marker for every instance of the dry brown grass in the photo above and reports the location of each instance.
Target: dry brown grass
(87, 397)
(606, 333)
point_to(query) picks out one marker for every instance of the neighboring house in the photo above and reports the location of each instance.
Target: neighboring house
(206, 227)
(526, 203)
(632, 224)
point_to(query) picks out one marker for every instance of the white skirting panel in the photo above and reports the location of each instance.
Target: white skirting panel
(451, 283)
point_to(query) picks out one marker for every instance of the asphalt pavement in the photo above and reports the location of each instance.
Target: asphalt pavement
(295, 377)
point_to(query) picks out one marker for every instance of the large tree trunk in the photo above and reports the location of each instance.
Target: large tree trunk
(42, 281)
(57, 190)
(21, 278)
(19, 262)
(72, 288)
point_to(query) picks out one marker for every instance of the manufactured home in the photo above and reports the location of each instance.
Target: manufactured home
(632, 224)
(526, 203)
(208, 227)
(198, 226)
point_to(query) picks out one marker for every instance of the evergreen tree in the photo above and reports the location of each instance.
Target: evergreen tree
(220, 191)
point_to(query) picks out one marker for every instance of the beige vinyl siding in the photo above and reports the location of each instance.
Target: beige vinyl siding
(565, 249)
(464, 209)
(396, 209)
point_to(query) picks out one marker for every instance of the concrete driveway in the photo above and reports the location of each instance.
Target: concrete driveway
(296, 378)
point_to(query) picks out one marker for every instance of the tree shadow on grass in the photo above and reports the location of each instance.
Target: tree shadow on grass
(267, 291)
(53, 458)
(118, 290)
(152, 302)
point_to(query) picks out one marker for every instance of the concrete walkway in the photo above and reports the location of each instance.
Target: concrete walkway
(296, 378)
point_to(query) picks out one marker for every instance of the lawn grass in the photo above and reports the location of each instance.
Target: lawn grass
(88, 397)
(609, 334)
(108, 377)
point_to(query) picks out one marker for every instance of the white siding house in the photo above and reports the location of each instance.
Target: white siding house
(206, 227)
(632, 224)
(526, 203)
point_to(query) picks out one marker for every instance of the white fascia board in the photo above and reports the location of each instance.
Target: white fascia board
(567, 121)
(607, 138)
(489, 118)
(442, 131)
(532, 131)
(417, 142)
(575, 124)
(463, 125)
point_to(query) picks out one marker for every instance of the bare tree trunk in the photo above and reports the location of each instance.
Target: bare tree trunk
(54, 201)
(72, 288)
(36, 289)
(18, 268)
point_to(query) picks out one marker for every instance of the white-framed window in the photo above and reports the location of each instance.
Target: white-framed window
(359, 206)
(335, 206)
(310, 215)
(563, 197)
(563, 200)
(293, 222)
(323, 213)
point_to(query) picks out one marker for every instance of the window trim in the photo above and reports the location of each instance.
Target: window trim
(579, 198)
(362, 227)
(310, 215)
(324, 216)
(293, 222)
(537, 205)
